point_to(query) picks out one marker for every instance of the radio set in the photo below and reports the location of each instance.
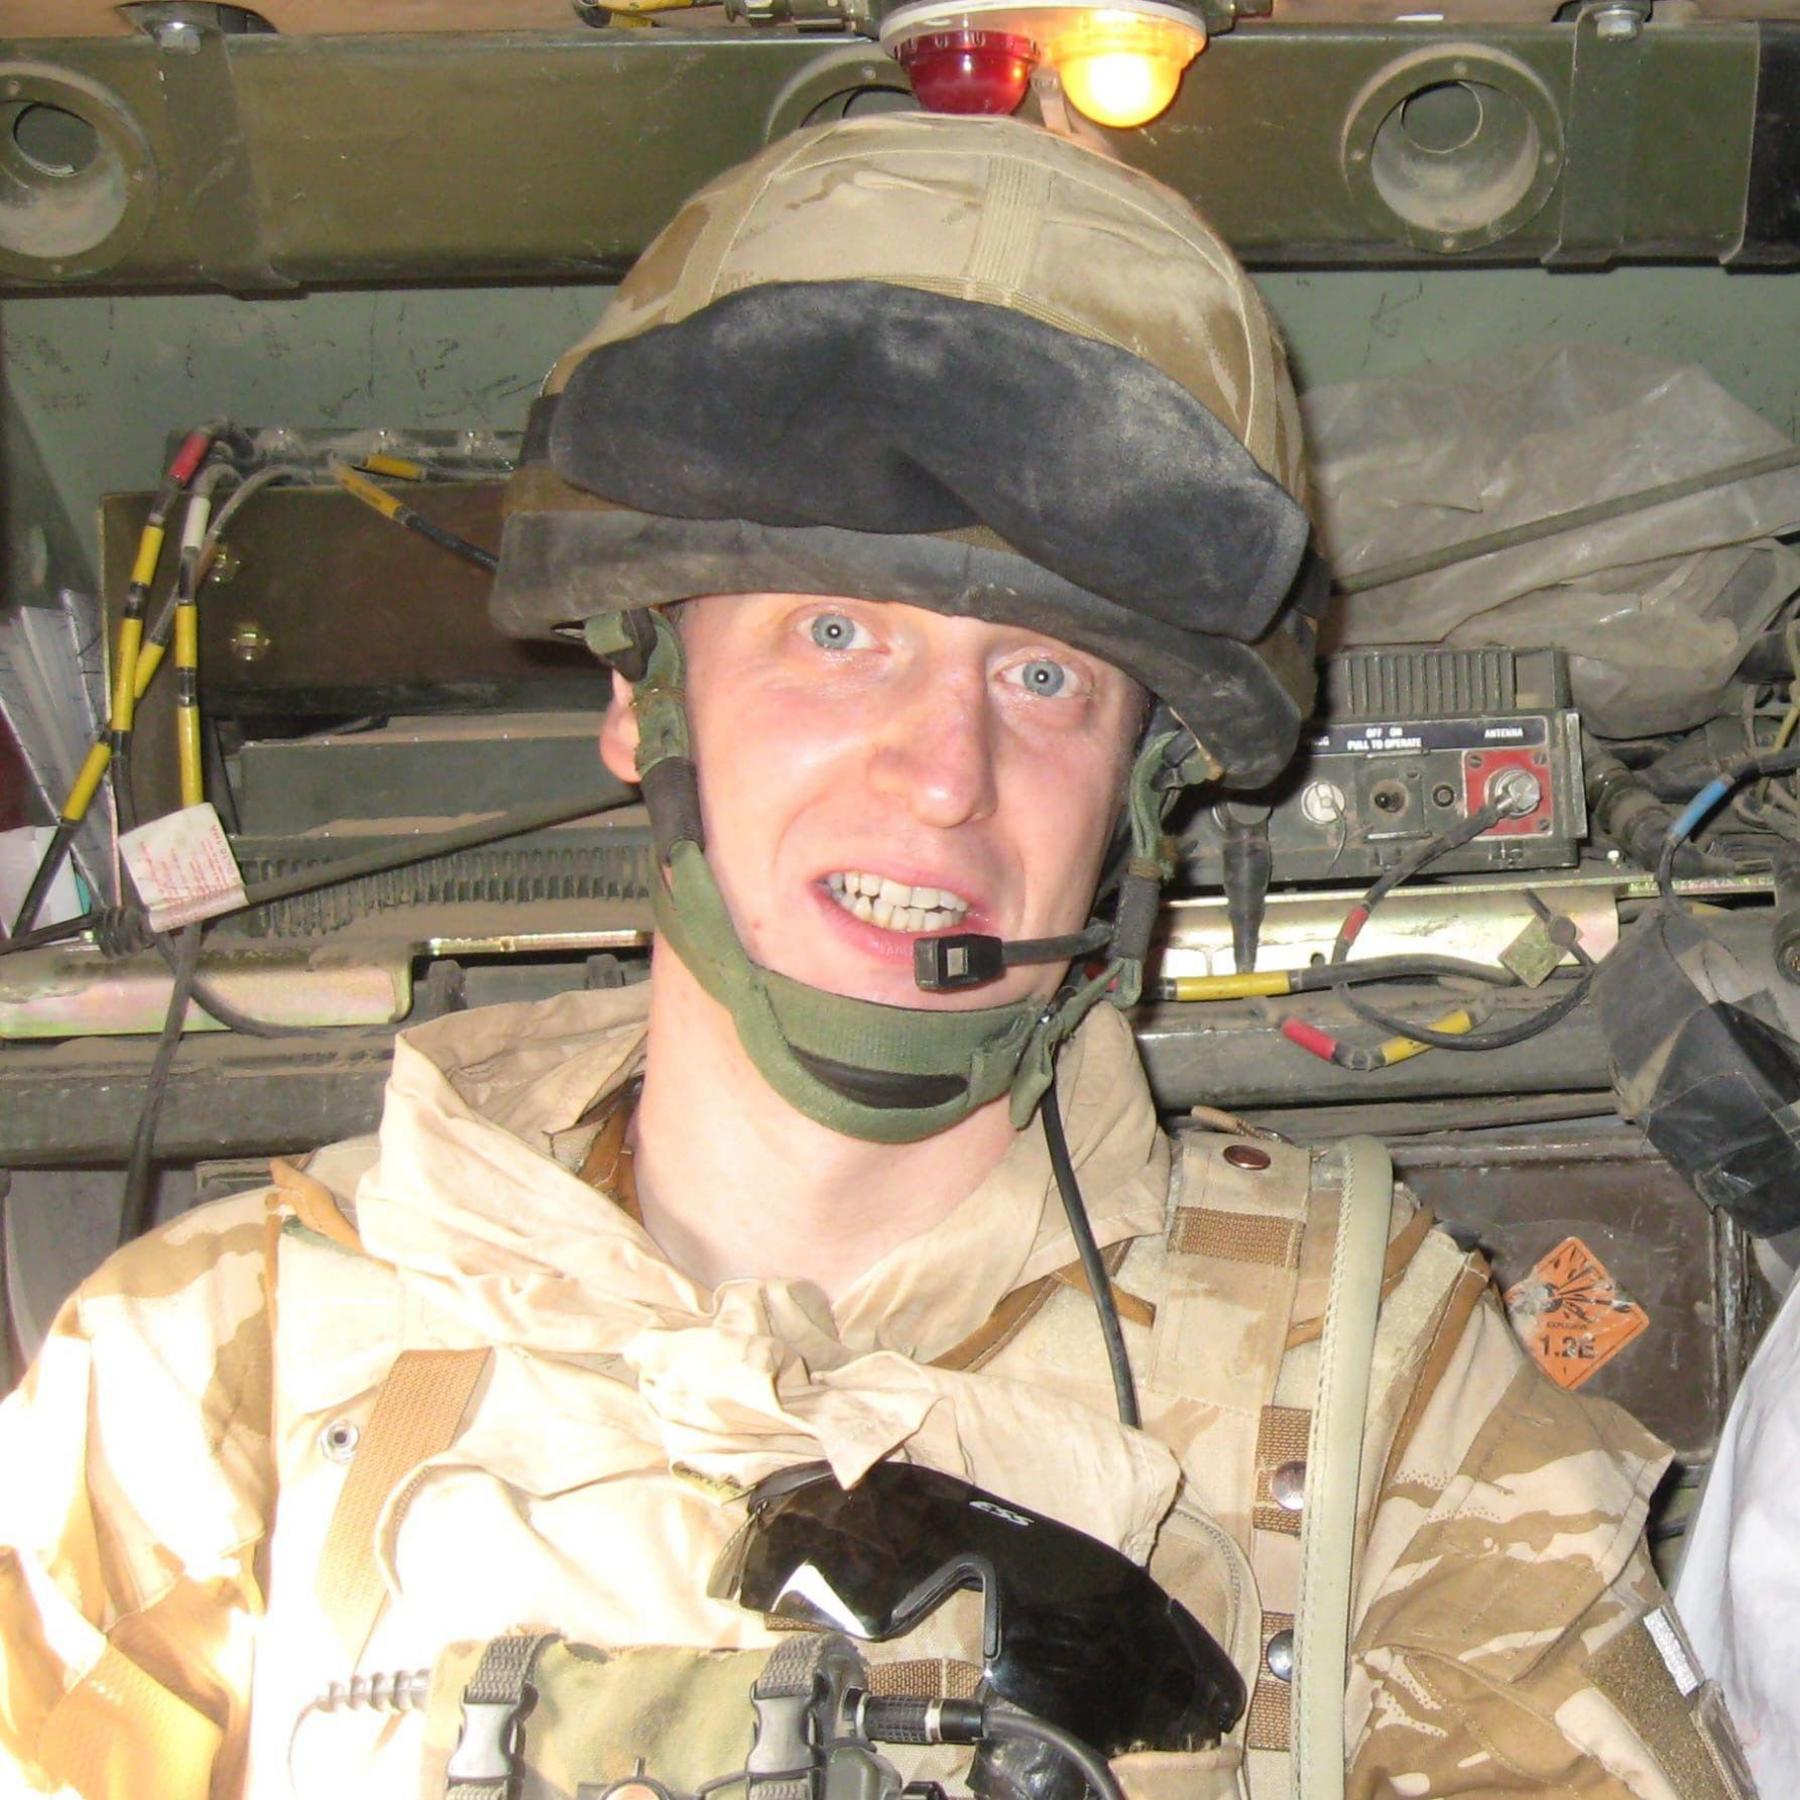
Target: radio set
(1407, 743)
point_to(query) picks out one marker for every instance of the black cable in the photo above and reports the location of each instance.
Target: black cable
(1400, 968)
(488, 830)
(218, 1008)
(491, 829)
(48, 864)
(1463, 832)
(119, 773)
(1092, 1765)
(1503, 1037)
(1099, 1282)
(1752, 768)
(448, 540)
(138, 1208)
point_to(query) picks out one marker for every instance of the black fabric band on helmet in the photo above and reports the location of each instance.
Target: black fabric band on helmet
(878, 408)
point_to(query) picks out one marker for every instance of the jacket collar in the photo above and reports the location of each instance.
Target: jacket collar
(475, 1202)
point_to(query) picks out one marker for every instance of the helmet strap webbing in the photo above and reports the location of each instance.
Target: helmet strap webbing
(886, 1074)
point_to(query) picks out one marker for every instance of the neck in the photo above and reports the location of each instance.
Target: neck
(732, 1182)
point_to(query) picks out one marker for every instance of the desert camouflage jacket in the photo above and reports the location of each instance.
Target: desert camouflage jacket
(191, 1521)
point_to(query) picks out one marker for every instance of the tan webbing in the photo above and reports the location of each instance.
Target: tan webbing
(1023, 1305)
(1400, 1252)
(417, 1414)
(1458, 1308)
(1695, 1747)
(118, 1733)
(1269, 1724)
(1128, 1305)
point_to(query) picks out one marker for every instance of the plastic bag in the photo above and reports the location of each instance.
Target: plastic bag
(1656, 608)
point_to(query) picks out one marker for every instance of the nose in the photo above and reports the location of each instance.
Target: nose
(935, 755)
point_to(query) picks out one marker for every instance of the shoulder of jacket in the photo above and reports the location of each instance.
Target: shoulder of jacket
(1511, 1503)
(209, 1259)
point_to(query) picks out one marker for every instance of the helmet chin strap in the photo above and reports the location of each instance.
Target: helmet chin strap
(888, 1074)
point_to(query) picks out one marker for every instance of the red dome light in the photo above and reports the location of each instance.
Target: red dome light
(968, 71)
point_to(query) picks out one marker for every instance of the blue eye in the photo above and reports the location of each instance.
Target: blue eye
(833, 631)
(1042, 676)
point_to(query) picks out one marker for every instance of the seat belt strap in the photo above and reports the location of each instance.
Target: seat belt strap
(416, 1414)
(1334, 1468)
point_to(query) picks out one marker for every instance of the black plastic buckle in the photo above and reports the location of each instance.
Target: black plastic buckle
(946, 965)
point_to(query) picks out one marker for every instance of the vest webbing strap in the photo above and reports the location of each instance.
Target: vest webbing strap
(416, 1415)
(107, 1734)
(487, 1762)
(1334, 1469)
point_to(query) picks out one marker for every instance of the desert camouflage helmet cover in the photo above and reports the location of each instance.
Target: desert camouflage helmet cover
(956, 362)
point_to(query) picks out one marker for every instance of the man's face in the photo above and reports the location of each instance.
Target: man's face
(871, 772)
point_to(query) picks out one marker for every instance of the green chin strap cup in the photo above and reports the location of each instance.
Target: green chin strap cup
(887, 1074)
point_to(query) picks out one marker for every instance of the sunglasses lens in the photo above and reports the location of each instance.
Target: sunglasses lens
(1078, 1633)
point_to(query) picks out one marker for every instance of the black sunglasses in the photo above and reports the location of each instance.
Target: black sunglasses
(1073, 1630)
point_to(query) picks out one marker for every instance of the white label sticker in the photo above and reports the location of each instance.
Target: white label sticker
(183, 867)
(1666, 1636)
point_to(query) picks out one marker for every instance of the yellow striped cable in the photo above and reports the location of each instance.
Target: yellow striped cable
(399, 467)
(87, 782)
(149, 553)
(1231, 987)
(187, 702)
(187, 646)
(149, 661)
(125, 655)
(366, 491)
(130, 641)
(1403, 1049)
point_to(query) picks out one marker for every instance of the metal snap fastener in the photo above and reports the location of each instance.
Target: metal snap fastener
(1246, 1156)
(1279, 1656)
(338, 1440)
(1287, 1486)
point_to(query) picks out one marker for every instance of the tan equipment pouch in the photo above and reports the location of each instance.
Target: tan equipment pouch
(561, 1716)
(534, 1717)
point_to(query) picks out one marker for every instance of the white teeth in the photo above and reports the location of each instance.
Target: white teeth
(895, 905)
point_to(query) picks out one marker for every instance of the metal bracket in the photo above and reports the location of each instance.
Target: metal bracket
(1601, 133)
(1771, 236)
(213, 171)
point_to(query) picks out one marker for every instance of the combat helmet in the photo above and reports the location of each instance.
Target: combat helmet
(968, 365)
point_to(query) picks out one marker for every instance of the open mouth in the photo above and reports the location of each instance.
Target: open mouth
(896, 905)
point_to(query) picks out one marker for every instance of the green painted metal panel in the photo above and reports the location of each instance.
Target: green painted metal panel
(264, 161)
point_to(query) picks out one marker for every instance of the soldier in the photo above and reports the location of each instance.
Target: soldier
(935, 487)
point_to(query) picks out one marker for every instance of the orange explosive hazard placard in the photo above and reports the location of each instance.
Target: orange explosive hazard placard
(1573, 1316)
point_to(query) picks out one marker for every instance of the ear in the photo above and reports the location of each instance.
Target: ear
(619, 731)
